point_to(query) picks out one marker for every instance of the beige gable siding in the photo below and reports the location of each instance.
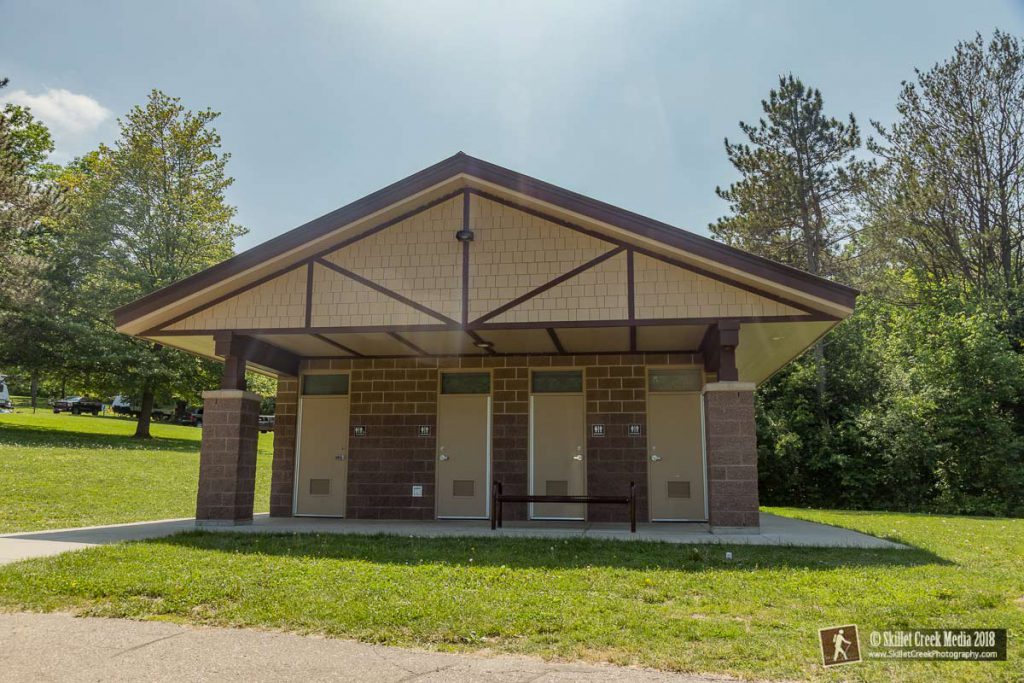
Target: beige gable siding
(340, 301)
(667, 291)
(280, 302)
(514, 252)
(598, 293)
(419, 258)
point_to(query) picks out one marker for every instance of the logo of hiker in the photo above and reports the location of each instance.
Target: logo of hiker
(839, 645)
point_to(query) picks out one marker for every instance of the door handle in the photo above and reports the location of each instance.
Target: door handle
(655, 458)
(442, 457)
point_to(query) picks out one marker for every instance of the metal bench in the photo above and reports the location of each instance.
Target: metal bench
(498, 498)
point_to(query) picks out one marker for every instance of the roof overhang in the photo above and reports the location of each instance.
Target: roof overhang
(822, 302)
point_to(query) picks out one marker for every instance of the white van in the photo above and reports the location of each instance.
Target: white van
(5, 395)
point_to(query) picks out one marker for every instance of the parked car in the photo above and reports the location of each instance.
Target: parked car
(193, 418)
(76, 405)
(266, 423)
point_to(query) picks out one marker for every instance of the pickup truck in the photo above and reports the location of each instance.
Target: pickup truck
(76, 405)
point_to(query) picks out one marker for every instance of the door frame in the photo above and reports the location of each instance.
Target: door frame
(582, 393)
(703, 440)
(490, 438)
(298, 438)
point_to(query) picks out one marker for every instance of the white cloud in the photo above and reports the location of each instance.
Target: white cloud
(65, 112)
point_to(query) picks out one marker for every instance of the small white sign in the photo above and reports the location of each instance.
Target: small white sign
(417, 491)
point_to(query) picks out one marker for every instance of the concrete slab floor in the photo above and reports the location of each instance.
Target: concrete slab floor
(774, 530)
(61, 647)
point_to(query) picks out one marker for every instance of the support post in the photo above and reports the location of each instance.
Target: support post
(282, 478)
(731, 451)
(227, 457)
(719, 349)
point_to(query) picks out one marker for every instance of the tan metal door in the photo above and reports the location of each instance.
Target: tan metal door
(675, 457)
(322, 447)
(557, 450)
(463, 455)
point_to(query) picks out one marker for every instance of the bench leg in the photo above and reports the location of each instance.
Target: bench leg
(632, 507)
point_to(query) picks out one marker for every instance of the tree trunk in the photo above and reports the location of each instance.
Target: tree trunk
(34, 391)
(179, 411)
(145, 414)
(822, 371)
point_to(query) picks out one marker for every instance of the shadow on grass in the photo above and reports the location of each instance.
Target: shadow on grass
(48, 437)
(544, 552)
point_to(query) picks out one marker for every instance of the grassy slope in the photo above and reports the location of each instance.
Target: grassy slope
(672, 607)
(65, 470)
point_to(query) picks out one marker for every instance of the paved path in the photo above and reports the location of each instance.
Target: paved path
(775, 530)
(60, 647)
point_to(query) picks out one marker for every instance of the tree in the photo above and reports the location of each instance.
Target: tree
(30, 209)
(155, 210)
(795, 201)
(952, 204)
(797, 198)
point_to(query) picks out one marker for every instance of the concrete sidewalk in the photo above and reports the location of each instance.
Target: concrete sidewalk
(60, 647)
(775, 530)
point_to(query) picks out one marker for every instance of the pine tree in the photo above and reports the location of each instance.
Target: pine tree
(796, 200)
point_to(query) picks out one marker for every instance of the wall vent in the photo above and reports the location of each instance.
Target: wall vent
(678, 489)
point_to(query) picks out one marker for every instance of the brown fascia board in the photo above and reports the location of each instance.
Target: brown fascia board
(462, 163)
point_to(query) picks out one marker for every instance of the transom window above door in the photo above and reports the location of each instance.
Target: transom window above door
(325, 385)
(674, 379)
(465, 382)
(557, 382)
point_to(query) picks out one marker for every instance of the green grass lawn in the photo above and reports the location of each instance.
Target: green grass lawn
(78, 470)
(672, 607)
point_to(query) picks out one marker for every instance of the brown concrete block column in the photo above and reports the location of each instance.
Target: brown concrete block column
(731, 448)
(227, 460)
(282, 478)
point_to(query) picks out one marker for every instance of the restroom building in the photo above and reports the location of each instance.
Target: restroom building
(470, 324)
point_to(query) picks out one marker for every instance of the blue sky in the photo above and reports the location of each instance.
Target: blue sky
(324, 102)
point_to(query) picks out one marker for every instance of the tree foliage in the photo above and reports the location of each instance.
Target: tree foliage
(924, 409)
(153, 207)
(29, 202)
(952, 202)
(794, 202)
(138, 215)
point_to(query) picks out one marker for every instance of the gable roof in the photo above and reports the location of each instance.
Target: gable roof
(463, 164)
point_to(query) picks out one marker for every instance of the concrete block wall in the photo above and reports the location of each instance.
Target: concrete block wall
(392, 398)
